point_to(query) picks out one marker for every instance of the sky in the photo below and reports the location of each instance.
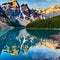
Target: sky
(42, 4)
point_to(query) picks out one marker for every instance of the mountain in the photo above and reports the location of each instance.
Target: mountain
(2, 13)
(3, 21)
(12, 9)
(55, 13)
(54, 8)
(50, 23)
(6, 20)
(51, 11)
(23, 15)
(3, 17)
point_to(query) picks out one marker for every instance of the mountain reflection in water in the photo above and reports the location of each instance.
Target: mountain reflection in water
(22, 44)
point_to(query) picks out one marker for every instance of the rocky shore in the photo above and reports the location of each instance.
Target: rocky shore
(4, 27)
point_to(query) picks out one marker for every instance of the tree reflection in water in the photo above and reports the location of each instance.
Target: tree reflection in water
(17, 40)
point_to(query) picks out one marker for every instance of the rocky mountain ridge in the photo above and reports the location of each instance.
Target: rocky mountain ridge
(54, 8)
(24, 15)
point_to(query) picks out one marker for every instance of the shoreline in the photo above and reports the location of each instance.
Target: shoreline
(43, 28)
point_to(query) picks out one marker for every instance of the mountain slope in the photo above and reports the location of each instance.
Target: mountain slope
(52, 9)
(48, 23)
(3, 25)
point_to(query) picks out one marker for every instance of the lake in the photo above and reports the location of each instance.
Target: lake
(23, 44)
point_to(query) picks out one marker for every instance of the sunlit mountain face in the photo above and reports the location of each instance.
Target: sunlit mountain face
(18, 11)
(21, 43)
(52, 11)
(23, 14)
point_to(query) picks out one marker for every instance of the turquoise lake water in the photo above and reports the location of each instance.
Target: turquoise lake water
(23, 44)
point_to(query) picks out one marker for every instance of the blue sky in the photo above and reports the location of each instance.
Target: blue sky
(42, 4)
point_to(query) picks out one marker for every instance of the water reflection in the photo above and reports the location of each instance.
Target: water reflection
(31, 44)
(10, 44)
(43, 33)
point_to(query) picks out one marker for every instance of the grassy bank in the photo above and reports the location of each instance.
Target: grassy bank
(51, 23)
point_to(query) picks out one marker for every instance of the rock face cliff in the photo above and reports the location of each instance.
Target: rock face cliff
(3, 21)
(51, 11)
(3, 16)
(23, 15)
(54, 8)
